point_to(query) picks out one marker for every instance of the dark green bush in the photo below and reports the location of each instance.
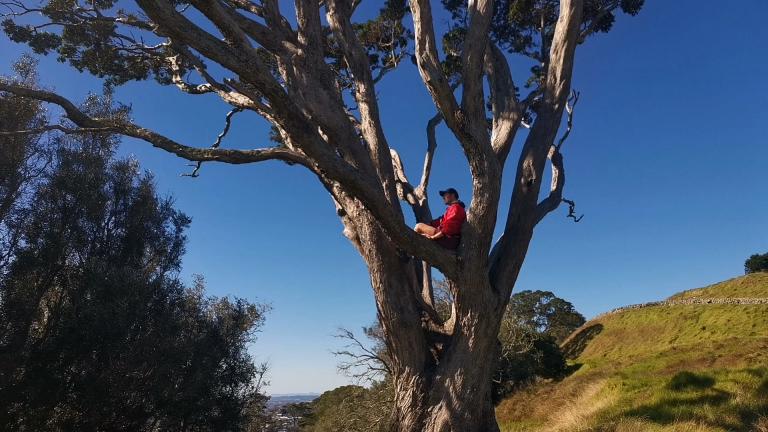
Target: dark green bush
(756, 263)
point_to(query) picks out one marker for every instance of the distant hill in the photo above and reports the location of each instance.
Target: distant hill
(697, 362)
(276, 401)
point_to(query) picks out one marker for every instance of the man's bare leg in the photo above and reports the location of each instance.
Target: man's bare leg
(424, 229)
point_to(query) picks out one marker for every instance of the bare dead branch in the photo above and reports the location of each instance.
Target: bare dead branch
(569, 108)
(572, 210)
(555, 197)
(360, 362)
(219, 138)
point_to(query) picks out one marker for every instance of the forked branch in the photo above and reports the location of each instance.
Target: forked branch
(324, 166)
(573, 99)
(572, 210)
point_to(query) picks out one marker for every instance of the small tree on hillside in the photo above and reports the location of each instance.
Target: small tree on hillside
(756, 263)
(545, 313)
(314, 78)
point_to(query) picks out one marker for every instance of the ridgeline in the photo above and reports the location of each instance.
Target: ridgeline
(697, 361)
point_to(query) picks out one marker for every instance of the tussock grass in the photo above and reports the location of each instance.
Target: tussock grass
(662, 368)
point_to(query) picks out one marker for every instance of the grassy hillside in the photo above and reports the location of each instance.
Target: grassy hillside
(701, 367)
(753, 285)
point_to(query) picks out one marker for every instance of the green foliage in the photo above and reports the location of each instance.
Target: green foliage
(525, 359)
(534, 324)
(97, 331)
(756, 263)
(22, 157)
(545, 313)
(116, 44)
(90, 43)
(385, 37)
(351, 409)
(526, 27)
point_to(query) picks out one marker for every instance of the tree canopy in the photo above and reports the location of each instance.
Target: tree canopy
(756, 263)
(545, 313)
(97, 330)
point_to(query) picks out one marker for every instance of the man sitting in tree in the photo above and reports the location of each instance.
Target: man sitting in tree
(446, 230)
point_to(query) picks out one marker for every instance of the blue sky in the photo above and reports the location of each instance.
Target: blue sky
(667, 160)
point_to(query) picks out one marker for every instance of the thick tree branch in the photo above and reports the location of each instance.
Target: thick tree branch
(406, 192)
(470, 127)
(473, 53)
(310, 28)
(246, 63)
(507, 256)
(551, 202)
(266, 37)
(360, 187)
(506, 110)
(339, 14)
(426, 171)
(429, 62)
(233, 33)
(196, 154)
(60, 128)
(178, 80)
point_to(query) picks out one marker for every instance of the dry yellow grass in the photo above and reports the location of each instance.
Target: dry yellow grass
(577, 415)
(748, 286)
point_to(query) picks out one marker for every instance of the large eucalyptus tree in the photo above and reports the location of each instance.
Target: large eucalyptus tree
(299, 69)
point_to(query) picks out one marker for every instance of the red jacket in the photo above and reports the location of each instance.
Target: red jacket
(450, 223)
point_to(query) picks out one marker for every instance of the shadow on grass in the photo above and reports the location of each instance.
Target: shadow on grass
(690, 381)
(576, 344)
(696, 399)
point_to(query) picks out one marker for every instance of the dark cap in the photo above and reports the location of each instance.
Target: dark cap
(449, 191)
